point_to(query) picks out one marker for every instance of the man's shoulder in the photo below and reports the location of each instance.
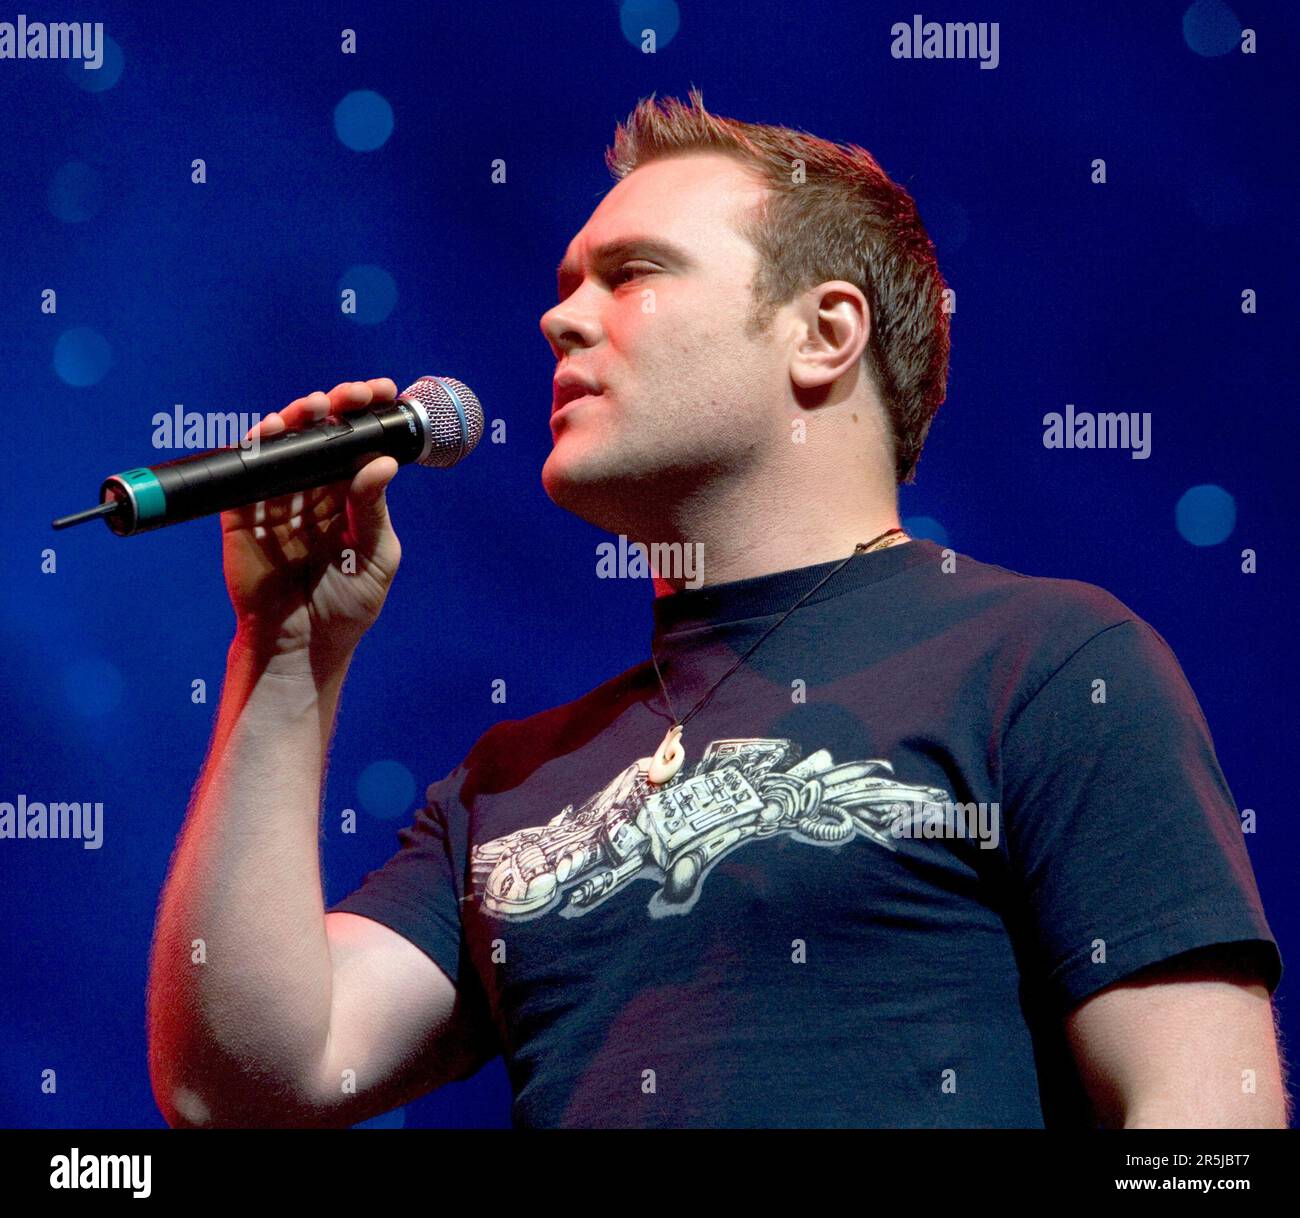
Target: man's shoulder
(1049, 609)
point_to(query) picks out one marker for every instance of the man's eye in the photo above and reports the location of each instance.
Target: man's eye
(629, 270)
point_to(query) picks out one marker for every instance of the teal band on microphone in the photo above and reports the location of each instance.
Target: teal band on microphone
(150, 499)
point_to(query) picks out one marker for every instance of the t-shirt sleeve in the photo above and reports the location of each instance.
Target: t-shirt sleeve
(1124, 843)
(417, 893)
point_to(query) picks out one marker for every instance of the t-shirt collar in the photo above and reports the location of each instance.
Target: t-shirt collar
(763, 595)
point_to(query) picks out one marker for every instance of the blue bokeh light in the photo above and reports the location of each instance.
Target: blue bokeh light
(363, 120)
(1211, 28)
(662, 16)
(926, 526)
(1206, 515)
(96, 80)
(386, 789)
(82, 356)
(376, 293)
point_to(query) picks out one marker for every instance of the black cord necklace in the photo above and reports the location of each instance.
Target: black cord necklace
(670, 755)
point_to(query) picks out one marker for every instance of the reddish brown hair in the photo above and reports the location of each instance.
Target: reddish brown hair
(844, 220)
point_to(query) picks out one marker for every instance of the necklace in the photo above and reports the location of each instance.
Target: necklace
(670, 755)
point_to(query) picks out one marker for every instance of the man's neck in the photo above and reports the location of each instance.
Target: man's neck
(762, 548)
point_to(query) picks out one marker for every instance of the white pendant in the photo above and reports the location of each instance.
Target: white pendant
(668, 757)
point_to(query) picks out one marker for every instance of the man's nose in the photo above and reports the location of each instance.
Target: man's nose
(566, 326)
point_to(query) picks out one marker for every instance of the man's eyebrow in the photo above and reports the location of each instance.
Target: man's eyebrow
(654, 247)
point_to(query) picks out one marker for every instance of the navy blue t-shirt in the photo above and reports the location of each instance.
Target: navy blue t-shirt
(937, 808)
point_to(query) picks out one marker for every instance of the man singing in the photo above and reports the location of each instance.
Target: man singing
(878, 834)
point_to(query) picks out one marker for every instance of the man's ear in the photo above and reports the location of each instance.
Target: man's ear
(834, 329)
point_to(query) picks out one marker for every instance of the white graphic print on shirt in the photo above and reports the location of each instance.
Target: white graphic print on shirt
(674, 834)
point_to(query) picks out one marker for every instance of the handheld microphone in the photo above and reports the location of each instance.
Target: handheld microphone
(435, 422)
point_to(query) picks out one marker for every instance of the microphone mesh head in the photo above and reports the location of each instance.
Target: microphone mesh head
(453, 415)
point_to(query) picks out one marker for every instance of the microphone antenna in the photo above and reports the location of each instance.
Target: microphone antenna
(104, 509)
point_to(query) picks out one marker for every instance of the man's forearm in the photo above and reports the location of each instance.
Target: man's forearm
(240, 979)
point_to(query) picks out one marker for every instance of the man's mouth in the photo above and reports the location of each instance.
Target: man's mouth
(562, 404)
(566, 393)
(569, 385)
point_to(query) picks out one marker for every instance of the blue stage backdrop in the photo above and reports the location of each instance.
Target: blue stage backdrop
(1113, 199)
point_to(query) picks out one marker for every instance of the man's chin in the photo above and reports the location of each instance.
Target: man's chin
(562, 480)
(596, 495)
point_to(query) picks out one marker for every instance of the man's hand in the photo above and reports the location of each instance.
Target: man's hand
(282, 557)
(1180, 1045)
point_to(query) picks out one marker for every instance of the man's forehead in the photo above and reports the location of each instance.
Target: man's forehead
(688, 202)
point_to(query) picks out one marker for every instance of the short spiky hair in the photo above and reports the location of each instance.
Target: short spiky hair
(841, 218)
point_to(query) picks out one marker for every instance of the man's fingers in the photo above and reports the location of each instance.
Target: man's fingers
(314, 505)
(306, 410)
(355, 395)
(272, 425)
(384, 388)
(350, 395)
(345, 396)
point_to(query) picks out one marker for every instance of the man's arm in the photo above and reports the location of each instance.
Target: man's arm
(293, 1016)
(1188, 1043)
(397, 1028)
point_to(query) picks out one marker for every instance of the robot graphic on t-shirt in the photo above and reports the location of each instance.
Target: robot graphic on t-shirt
(740, 791)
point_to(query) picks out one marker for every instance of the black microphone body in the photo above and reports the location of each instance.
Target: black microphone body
(436, 422)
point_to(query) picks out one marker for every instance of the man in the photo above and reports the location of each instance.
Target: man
(878, 835)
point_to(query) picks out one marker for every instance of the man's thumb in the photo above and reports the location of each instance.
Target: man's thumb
(368, 499)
